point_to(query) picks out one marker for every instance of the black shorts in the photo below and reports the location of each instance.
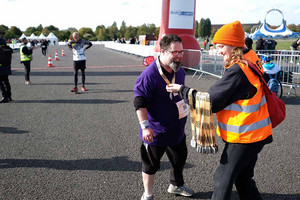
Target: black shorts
(80, 64)
(151, 156)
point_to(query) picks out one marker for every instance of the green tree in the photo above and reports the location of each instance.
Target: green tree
(131, 32)
(48, 29)
(113, 32)
(298, 28)
(63, 35)
(196, 29)
(292, 27)
(143, 30)
(3, 29)
(151, 29)
(247, 28)
(123, 30)
(207, 27)
(13, 32)
(201, 28)
(39, 28)
(29, 30)
(86, 33)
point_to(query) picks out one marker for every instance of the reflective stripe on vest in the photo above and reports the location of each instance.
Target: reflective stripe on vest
(23, 56)
(245, 128)
(248, 120)
(248, 108)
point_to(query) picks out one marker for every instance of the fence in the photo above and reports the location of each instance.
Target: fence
(211, 64)
(289, 62)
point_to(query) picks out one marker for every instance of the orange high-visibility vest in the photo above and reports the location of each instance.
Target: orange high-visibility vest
(254, 59)
(246, 121)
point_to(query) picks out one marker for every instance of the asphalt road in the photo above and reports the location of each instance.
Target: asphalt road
(55, 144)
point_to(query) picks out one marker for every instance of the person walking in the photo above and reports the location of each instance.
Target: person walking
(26, 57)
(79, 59)
(5, 71)
(244, 124)
(44, 46)
(162, 117)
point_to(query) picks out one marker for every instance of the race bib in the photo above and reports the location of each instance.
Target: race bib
(183, 109)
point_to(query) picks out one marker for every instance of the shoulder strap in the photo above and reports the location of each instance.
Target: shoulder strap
(260, 75)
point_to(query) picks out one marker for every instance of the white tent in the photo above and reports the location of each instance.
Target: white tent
(22, 36)
(42, 37)
(32, 37)
(53, 39)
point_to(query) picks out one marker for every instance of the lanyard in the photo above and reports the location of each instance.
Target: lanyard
(162, 74)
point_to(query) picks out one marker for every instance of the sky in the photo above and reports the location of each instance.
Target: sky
(64, 14)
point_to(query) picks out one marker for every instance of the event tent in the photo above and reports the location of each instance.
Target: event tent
(42, 37)
(53, 39)
(32, 37)
(265, 31)
(22, 36)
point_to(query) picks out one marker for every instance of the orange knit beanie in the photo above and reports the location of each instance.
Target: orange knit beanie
(231, 34)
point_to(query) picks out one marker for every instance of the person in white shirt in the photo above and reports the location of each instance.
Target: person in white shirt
(79, 60)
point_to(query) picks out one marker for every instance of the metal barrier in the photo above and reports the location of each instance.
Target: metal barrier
(210, 64)
(288, 61)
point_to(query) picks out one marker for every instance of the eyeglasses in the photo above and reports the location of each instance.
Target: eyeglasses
(175, 53)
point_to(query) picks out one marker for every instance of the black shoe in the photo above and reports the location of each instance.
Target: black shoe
(4, 100)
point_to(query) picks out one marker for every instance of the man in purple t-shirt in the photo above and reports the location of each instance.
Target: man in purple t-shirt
(162, 117)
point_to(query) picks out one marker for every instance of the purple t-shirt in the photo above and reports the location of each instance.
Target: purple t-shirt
(162, 111)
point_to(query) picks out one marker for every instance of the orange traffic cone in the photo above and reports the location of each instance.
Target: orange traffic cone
(56, 56)
(50, 61)
(62, 52)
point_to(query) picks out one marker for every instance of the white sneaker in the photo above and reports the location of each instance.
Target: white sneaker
(181, 190)
(147, 198)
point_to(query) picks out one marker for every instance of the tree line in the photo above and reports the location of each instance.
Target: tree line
(203, 29)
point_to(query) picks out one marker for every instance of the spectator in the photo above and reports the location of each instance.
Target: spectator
(5, 70)
(260, 44)
(248, 42)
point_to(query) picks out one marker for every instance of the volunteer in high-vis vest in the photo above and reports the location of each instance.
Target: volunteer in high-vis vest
(244, 124)
(26, 57)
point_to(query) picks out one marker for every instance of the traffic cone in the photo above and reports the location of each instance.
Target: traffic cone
(56, 56)
(50, 61)
(62, 52)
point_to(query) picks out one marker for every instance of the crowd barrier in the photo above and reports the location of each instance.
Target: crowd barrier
(288, 61)
(212, 64)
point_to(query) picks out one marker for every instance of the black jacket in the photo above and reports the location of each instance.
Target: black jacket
(5, 60)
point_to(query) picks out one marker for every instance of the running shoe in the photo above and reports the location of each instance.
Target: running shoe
(83, 88)
(147, 198)
(74, 89)
(181, 190)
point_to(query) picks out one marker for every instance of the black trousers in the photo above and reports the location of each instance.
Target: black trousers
(5, 86)
(44, 51)
(27, 70)
(82, 66)
(177, 155)
(237, 167)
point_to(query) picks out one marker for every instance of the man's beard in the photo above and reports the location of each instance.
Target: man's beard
(175, 66)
